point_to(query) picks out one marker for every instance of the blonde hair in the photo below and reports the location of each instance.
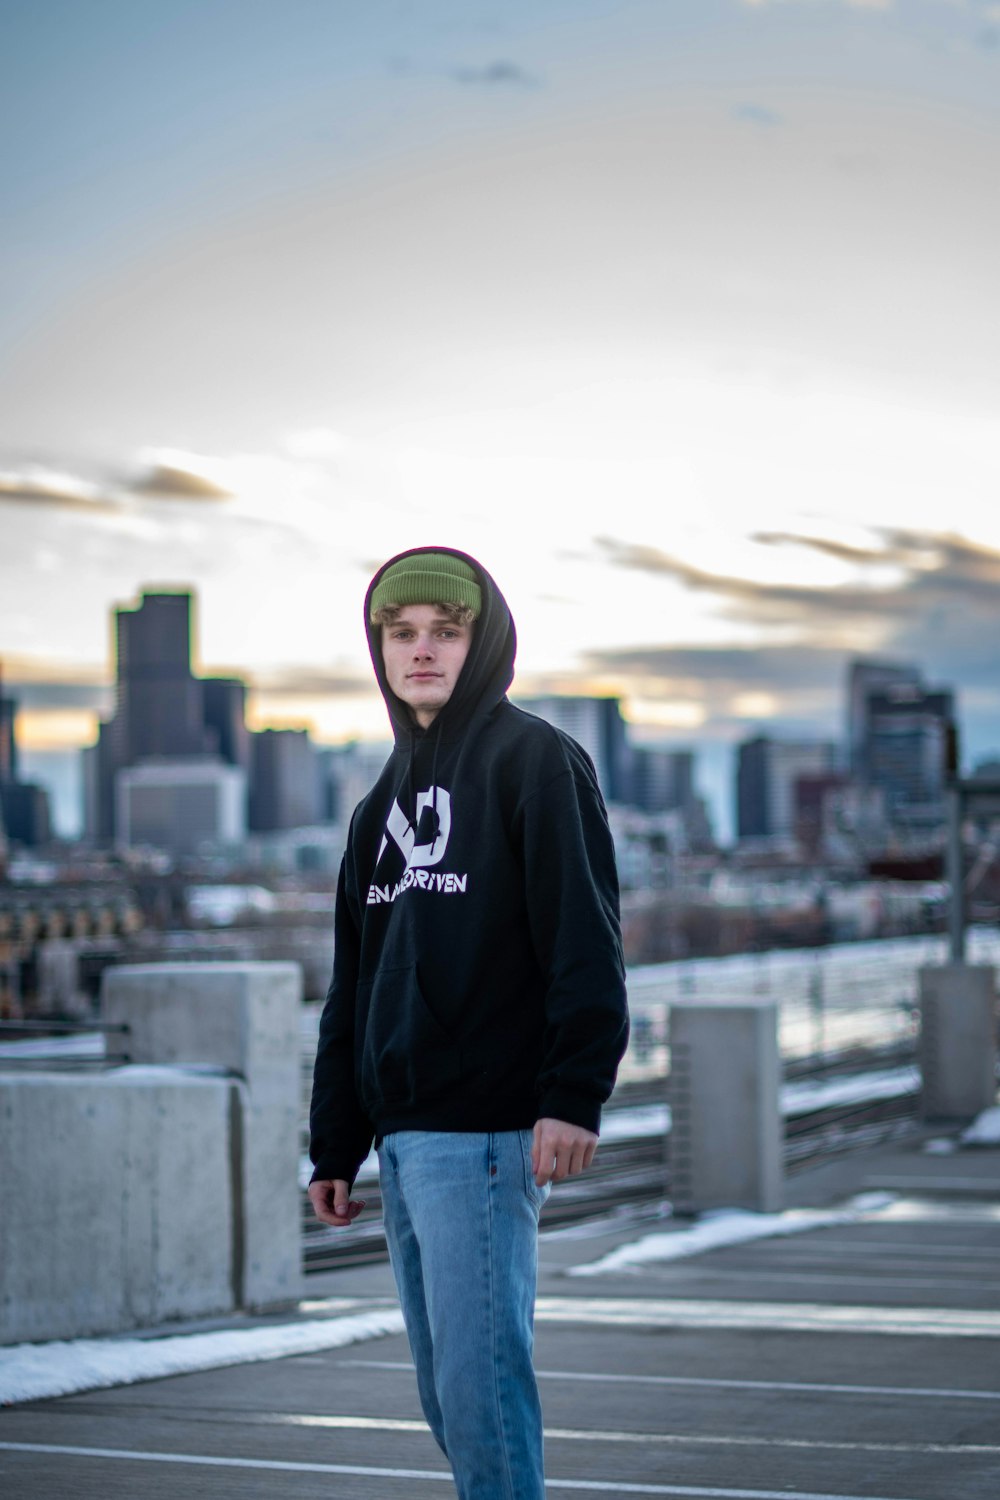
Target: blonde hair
(458, 614)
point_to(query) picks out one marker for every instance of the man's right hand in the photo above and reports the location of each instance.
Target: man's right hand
(333, 1204)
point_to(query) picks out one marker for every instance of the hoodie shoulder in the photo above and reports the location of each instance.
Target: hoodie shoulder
(539, 751)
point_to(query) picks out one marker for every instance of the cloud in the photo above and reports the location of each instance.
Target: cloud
(500, 73)
(843, 551)
(850, 4)
(932, 572)
(755, 114)
(55, 686)
(316, 444)
(936, 567)
(763, 604)
(942, 613)
(48, 487)
(310, 682)
(732, 666)
(167, 481)
(731, 689)
(158, 478)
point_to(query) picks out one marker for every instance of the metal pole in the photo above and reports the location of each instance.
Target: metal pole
(954, 875)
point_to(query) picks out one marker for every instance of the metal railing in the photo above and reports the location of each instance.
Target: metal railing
(62, 1046)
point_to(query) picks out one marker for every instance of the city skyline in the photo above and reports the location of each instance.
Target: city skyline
(683, 322)
(165, 713)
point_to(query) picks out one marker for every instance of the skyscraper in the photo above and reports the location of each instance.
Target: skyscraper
(906, 745)
(597, 725)
(867, 677)
(24, 807)
(767, 775)
(163, 712)
(159, 708)
(662, 779)
(8, 744)
(285, 781)
(224, 703)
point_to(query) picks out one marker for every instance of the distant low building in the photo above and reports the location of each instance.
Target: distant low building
(180, 805)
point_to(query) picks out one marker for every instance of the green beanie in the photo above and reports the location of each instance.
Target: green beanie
(428, 578)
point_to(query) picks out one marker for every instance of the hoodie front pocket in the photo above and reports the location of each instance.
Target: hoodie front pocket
(407, 1056)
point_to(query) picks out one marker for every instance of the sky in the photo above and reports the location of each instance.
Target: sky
(682, 318)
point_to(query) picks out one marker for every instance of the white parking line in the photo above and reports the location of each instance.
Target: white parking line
(646, 1439)
(285, 1466)
(935, 1393)
(808, 1317)
(888, 1276)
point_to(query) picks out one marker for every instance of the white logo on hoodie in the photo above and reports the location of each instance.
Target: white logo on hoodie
(419, 856)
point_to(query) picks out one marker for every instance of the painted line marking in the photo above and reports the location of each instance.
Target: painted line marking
(948, 1185)
(835, 1277)
(934, 1393)
(819, 1249)
(279, 1466)
(589, 1435)
(803, 1317)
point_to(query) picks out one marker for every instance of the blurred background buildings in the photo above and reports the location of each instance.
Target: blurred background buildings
(205, 837)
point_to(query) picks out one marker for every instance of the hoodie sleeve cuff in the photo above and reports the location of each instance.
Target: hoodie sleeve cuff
(329, 1169)
(576, 1109)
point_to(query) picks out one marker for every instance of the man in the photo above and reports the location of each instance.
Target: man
(476, 1016)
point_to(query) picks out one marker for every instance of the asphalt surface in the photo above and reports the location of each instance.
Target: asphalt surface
(850, 1362)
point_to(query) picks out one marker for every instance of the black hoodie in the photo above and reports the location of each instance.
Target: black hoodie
(478, 979)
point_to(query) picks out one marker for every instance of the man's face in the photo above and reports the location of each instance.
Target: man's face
(424, 652)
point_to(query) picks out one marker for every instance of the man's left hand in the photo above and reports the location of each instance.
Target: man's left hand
(560, 1150)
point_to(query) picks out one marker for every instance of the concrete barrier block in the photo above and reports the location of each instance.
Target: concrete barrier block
(958, 1040)
(115, 1191)
(243, 1018)
(726, 1134)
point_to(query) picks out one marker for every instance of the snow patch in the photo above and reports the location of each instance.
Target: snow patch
(984, 1130)
(34, 1372)
(729, 1226)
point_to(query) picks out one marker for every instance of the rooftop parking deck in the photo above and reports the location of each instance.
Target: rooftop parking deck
(854, 1358)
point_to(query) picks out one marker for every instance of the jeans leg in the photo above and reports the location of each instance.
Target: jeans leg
(407, 1270)
(472, 1208)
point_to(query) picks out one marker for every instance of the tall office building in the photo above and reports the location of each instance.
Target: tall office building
(597, 725)
(284, 782)
(24, 807)
(662, 779)
(224, 707)
(159, 705)
(163, 714)
(8, 743)
(864, 678)
(906, 745)
(767, 776)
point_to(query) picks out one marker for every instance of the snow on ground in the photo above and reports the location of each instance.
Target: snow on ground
(34, 1372)
(728, 1226)
(984, 1130)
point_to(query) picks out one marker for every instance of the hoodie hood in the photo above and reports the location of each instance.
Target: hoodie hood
(488, 670)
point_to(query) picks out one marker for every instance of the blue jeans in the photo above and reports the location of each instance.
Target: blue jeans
(461, 1220)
